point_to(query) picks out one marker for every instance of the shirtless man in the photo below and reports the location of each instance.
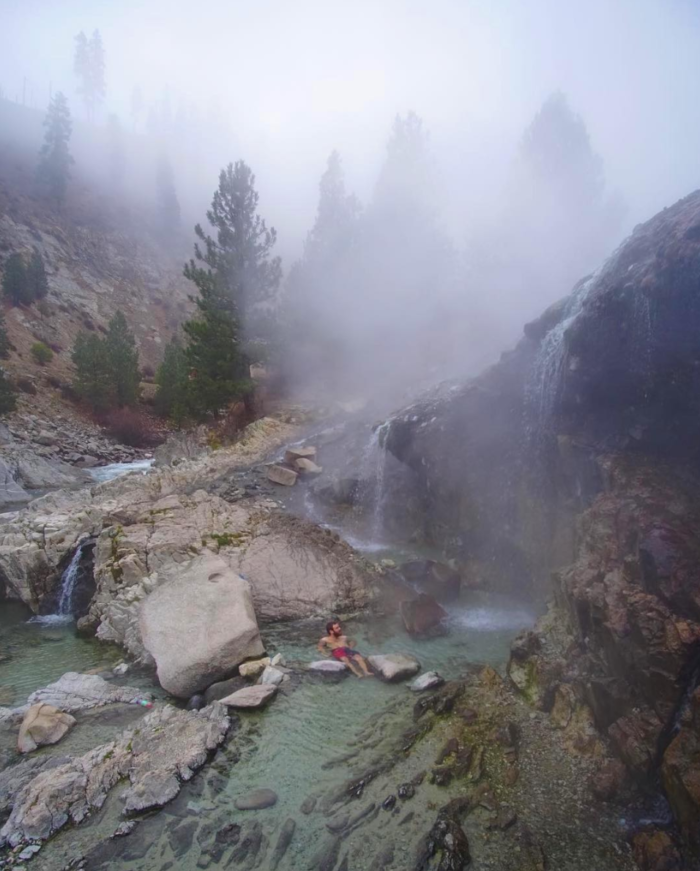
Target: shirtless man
(339, 647)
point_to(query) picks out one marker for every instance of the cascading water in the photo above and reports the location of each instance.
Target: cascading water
(373, 481)
(68, 581)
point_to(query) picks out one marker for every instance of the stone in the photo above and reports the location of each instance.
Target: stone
(195, 703)
(43, 724)
(280, 475)
(423, 617)
(283, 841)
(271, 676)
(307, 468)
(254, 667)
(11, 494)
(165, 748)
(256, 800)
(394, 666)
(291, 455)
(79, 692)
(655, 851)
(46, 438)
(221, 689)
(277, 659)
(178, 447)
(200, 626)
(250, 697)
(87, 461)
(120, 669)
(427, 681)
(327, 666)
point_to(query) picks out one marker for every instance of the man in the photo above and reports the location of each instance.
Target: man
(339, 647)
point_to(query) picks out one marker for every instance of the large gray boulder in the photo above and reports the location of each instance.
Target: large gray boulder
(394, 666)
(200, 626)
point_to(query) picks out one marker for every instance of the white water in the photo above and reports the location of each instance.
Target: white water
(373, 490)
(116, 470)
(64, 614)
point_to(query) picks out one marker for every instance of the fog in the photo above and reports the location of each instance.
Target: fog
(443, 269)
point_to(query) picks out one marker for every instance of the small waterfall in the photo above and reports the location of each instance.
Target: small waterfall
(373, 477)
(68, 581)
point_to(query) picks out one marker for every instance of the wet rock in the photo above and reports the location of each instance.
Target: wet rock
(449, 748)
(445, 843)
(182, 837)
(43, 724)
(283, 841)
(250, 697)
(256, 800)
(124, 829)
(280, 475)
(307, 468)
(166, 748)
(79, 692)
(394, 666)
(250, 848)
(680, 770)
(406, 791)
(328, 667)
(441, 776)
(389, 802)
(430, 680)
(308, 805)
(271, 676)
(608, 781)
(423, 617)
(254, 667)
(440, 702)
(291, 455)
(504, 819)
(655, 851)
(200, 626)
(195, 703)
(438, 580)
(221, 689)
(327, 856)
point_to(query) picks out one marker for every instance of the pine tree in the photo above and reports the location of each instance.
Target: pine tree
(8, 394)
(172, 381)
(166, 196)
(336, 218)
(92, 381)
(120, 346)
(89, 67)
(15, 282)
(36, 276)
(5, 346)
(53, 170)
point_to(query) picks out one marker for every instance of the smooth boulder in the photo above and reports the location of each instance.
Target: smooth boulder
(254, 668)
(280, 475)
(423, 616)
(328, 666)
(200, 626)
(256, 800)
(428, 681)
(394, 666)
(291, 455)
(250, 697)
(271, 677)
(307, 467)
(43, 724)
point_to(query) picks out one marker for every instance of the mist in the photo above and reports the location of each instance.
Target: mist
(449, 245)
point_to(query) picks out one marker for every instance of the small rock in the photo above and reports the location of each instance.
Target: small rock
(250, 697)
(308, 805)
(256, 800)
(394, 666)
(29, 851)
(406, 791)
(389, 802)
(125, 828)
(271, 676)
(427, 681)
(254, 668)
(277, 659)
(43, 724)
(120, 669)
(307, 468)
(280, 475)
(328, 666)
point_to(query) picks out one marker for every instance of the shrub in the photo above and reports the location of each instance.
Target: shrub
(8, 394)
(42, 353)
(130, 427)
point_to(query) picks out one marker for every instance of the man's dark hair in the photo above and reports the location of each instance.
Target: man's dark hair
(330, 625)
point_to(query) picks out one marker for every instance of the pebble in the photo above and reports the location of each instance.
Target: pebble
(256, 800)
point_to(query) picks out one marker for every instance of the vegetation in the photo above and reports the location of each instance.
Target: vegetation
(236, 276)
(8, 394)
(172, 380)
(89, 67)
(107, 370)
(23, 282)
(41, 353)
(53, 170)
(5, 346)
(36, 276)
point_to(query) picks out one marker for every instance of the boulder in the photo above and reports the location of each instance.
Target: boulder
(291, 455)
(80, 692)
(280, 475)
(254, 668)
(199, 627)
(271, 677)
(427, 681)
(256, 800)
(328, 666)
(178, 447)
(394, 666)
(250, 697)
(11, 494)
(423, 617)
(220, 690)
(307, 468)
(43, 724)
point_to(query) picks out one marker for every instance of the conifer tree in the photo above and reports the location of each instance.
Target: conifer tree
(5, 346)
(8, 394)
(53, 170)
(120, 347)
(89, 67)
(172, 381)
(15, 282)
(92, 381)
(36, 276)
(166, 196)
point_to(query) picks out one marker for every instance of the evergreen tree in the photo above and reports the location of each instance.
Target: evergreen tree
(241, 253)
(336, 218)
(120, 347)
(92, 381)
(5, 346)
(8, 394)
(15, 282)
(166, 196)
(172, 381)
(36, 276)
(89, 67)
(53, 170)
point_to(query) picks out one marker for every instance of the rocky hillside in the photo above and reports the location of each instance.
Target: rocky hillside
(578, 453)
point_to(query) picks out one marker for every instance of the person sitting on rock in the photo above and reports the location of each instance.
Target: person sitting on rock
(339, 647)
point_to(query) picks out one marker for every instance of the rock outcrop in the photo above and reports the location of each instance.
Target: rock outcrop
(165, 749)
(200, 626)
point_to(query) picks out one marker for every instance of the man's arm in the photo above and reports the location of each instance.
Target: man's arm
(321, 646)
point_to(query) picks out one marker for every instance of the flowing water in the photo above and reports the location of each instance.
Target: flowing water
(116, 470)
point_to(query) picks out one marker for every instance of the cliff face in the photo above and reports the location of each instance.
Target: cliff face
(571, 467)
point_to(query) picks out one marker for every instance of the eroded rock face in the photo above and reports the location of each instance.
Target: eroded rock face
(166, 748)
(200, 626)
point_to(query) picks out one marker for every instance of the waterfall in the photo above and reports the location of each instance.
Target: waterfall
(372, 477)
(68, 581)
